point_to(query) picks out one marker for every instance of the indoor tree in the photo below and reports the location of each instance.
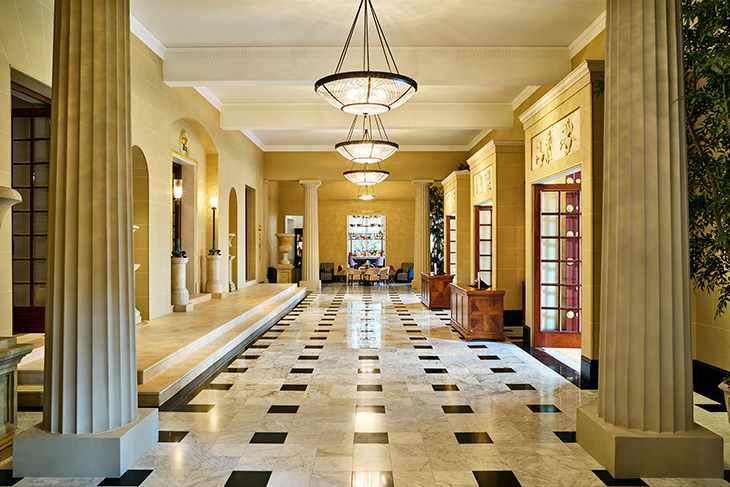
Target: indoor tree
(707, 100)
(436, 214)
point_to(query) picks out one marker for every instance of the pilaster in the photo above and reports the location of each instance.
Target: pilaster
(422, 233)
(310, 256)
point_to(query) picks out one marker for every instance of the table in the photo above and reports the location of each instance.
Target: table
(477, 314)
(435, 291)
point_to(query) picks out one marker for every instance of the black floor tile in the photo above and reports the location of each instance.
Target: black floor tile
(169, 437)
(368, 357)
(240, 478)
(283, 409)
(423, 347)
(445, 387)
(381, 479)
(521, 387)
(370, 409)
(371, 437)
(194, 408)
(368, 370)
(220, 387)
(496, 478)
(608, 480)
(488, 357)
(369, 388)
(237, 370)
(457, 409)
(503, 370)
(464, 438)
(477, 346)
(555, 365)
(248, 357)
(436, 371)
(308, 357)
(324, 324)
(543, 408)
(321, 331)
(130, 477)
(566, 436)
(314, 347)
(713, 408)
(428, 357)
(276, 330)
(417, 338)
(294, 387)
(6, 478)
(296, 370)
(318, 338)
(268, 438)
(257, 346)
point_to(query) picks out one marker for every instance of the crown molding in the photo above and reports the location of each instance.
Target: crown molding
(146, 36)
(524, 95)
(322, 107)
(453, 175)
(491, 145)
(583, 69)
(210, 96)
(588, 34)
(257, 142)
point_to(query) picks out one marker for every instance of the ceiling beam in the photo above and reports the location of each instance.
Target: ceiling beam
(409, 116)
(301, 66)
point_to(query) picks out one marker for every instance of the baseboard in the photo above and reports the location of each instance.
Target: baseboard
(706, 379)
(588, 373)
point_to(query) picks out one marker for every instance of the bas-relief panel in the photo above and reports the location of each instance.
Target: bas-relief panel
(557, 141)
(483, 181)
(449, 201)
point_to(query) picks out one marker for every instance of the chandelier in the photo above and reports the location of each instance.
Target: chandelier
(366, 92)
(366, 177)
(367, 150)
(365, 193)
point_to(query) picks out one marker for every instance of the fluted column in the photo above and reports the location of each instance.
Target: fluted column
(310, 256)
(643, 424)
(422, 235)
(90, 383)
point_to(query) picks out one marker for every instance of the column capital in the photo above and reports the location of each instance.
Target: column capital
(310, 183)
(422, 182)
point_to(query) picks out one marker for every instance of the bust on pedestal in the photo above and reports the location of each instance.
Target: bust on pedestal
(284, 269)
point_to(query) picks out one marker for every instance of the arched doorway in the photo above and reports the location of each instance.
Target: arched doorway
(233, 230)
(141, 212)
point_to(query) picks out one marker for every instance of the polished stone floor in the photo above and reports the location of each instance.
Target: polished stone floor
(364, 387)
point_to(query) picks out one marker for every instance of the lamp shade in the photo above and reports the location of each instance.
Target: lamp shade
(366, 177)
(177, 188)
(366, 92)
(367, 151)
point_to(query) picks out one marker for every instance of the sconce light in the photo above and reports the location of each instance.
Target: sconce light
(177, 189)
(214, 204)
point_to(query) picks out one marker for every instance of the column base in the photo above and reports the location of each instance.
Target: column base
(311, 285)
(182, 308)
(635, 454)
(38, 453)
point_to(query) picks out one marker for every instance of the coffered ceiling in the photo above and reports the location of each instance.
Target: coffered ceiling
(474, 60)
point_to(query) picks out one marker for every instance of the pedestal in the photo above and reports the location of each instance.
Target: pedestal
(231, 284)
(180, 295)
(38, 453)
(284, 273)
(213, 284)
(10, 356)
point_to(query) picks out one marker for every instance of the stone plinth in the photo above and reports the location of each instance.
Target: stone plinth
(180, 294)
(283, 273)
(213, 284)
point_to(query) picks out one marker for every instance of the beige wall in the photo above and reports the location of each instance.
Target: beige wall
(710, 333)
(461, 209)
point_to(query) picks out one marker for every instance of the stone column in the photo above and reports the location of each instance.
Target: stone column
(642, 425)
(91, 424)
(310, 257)
(180, 296)
(422, 235)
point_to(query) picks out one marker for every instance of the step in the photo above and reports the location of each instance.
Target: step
(166, 384)
(30, 396)
(200, 298)
(31, 373)
(149, 367)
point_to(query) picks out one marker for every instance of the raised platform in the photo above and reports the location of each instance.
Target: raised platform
(172, 351)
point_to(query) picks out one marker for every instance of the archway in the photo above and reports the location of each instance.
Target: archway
(141, 212)
(233, 229)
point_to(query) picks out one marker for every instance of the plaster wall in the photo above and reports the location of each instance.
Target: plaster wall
(710, 333)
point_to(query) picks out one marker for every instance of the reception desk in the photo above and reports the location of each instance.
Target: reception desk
(435, 290)
(477, 314)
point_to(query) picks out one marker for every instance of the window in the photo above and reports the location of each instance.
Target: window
(483, 262)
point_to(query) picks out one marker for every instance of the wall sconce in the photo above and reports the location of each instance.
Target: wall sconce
(177, 192)
(177, 189)
(214, 204)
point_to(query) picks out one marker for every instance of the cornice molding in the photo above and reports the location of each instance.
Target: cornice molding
(583, 69)
(453, 175)
(469, 53)
(321, 107)
(491, 145)
(146, 36)
(588, 34)
(524, 95)
(210, 96)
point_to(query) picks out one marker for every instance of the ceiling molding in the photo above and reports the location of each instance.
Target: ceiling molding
(322, 107)
(491, 145)
(583, 69)
(523, 96)
(257, 142)
(478, 139)
(588, 34)
(146, 36)
(210, 96)
(330, 148)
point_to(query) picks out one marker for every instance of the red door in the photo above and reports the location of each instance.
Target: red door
(558, 265)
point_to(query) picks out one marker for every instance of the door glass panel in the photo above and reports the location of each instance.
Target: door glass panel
(485, 247)
(550, 296)
(40, 245)
(39, 270)
(485, 263)
(549, 201)
(21, 175)
(21, 127)
(21, 270)
(41, 150)
(21, 152)
(21, 294)
(21, 223)
(40, 222)
(549, 320)
(41, 174)
(549, 273)
(40, 199)
(21, 247)
(483, 244)
(39, 294)
(25, 196)
(570, 273)
(549, 248)
(549, 226)
(42, 127)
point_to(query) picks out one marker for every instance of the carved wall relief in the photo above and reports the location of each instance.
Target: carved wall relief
(449, 200)
(567, 133)
(483, 181)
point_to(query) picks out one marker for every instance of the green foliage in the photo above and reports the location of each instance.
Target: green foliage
(436, 211)
(707, 92)
(463, 166)
(599, 86)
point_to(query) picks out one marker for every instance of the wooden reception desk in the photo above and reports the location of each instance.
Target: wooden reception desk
(477, 314)
(435, 290)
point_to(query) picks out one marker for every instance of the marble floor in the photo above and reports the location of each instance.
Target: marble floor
(364, 387)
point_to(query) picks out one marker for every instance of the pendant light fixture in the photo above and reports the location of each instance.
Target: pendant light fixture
(366, 92)
(365, 176)
(367, 150)
(365, 193)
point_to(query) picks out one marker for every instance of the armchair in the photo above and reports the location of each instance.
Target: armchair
(326, 271)
(405, 273)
